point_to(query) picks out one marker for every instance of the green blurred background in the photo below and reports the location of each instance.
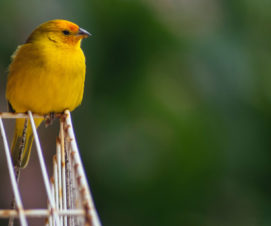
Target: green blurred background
(175, 124)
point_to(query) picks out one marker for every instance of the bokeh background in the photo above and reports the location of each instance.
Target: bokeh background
(175, 125)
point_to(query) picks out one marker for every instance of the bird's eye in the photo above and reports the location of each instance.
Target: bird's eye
(66, 32)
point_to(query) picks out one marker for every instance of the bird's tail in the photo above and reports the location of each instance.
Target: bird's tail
(18, 142)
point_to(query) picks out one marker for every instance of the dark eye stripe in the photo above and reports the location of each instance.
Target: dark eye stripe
(66, 32)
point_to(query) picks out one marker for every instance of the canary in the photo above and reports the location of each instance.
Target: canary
(46, 75)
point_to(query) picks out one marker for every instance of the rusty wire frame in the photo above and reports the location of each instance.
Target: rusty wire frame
(69, 198)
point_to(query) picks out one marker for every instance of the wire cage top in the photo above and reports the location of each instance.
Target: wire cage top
(69, 198)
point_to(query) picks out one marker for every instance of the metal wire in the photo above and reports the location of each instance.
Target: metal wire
(69, 198)
(15, 188)
(91, 214)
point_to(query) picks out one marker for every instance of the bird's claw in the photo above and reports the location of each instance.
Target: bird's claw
(49, 119)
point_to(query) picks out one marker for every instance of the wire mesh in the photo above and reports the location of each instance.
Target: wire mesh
(69, 198)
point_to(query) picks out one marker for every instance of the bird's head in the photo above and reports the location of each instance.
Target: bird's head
(59, 32)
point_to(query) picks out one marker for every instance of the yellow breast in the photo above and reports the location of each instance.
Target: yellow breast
(45, 78)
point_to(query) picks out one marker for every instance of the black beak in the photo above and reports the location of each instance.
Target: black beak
(83, 32)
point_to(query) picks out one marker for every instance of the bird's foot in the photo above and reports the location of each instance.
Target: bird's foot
(49, 119)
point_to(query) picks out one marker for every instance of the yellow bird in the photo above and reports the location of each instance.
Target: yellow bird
(46, 75)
